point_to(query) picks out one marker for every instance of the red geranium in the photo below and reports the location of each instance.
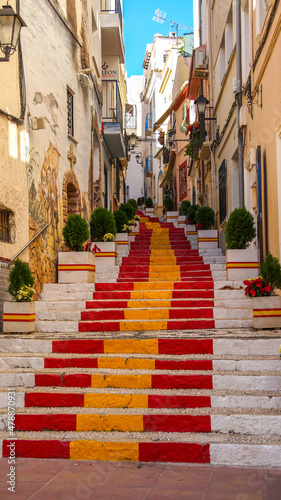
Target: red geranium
(257, 288)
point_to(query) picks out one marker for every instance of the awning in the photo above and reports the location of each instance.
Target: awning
(194, 83)
(177, 101)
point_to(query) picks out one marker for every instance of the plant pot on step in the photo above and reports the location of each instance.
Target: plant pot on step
(19, 317)
(105, 253)
(122, 244)
(267, 312)
(182, 221)
(207, 238)
(149, 212)
(241, 264)
(76, 267)
(172, 216)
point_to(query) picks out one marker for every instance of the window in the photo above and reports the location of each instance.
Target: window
(165, 55)
(261, 7)
(70, 124)
(222, 59)
(222, 191)
(229, 36)
(5, 225)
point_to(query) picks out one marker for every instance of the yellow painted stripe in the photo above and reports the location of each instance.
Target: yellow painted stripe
(19, 317)
(98, 450)
(172, 216)
(131, 346)
(139, 304)
(122, 381)
(105, 254)
(242, 265)
(122, 242)
(150, 286)
(76, 267)
(191, 232)
(107, 423)
(142, 326)
(106, 400)
(126, 363)
(146, 314)
(207, 239)
(152, 294)
(266, 312)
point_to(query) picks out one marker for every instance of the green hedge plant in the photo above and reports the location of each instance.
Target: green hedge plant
(75, 232)
(184, 206)
(20, 277)
(102, 222)
(128, 209)
(121, 220)
(190, 214)
(271, 272)
(204, 218)
(168, 205)
(240, 229)
(149, 203)
(134, 204)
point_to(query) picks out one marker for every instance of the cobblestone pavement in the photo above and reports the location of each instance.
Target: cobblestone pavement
(89, 480)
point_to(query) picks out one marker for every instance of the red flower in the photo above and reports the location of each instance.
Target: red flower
(252, 292)
(268, 288)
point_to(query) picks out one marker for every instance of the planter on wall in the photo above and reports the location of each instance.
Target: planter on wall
(242, 264)
(106, 254)
(207, 238)
(267, 312)
(172, 217)
(122, 243)
(19, 317)
(76, 267)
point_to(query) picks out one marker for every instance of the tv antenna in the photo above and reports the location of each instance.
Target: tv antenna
(160, 17)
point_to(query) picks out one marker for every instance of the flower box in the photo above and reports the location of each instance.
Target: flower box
(242, 264)
(172, 217)
(122, 244)
(76, 267)
(192, 235)
(136, 227)
(19, 317)
(149, 212)
(267, 312)
(182, 221)
(106, 254)
(207, 238)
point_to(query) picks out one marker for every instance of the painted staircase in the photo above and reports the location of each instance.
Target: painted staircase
(148, 368)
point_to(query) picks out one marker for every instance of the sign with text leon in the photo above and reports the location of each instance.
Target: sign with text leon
(110, 68)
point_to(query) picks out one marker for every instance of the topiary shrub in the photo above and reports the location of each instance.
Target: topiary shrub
(168, 205)
(128, 209)
(121, 219)
(184, 206)
(149, 203)
(271, 272)
(134, 204)
(102, 222)
(240, 229)
(204, 218)
(190, 214)
(75, 232)
(19, 277)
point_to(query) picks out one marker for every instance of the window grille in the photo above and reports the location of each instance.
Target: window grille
(4, 226)
(222, 191)
(70, 125)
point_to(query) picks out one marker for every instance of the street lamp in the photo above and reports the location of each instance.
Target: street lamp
(10, 26)
(201, 103)
(133, 141)
(138, 159)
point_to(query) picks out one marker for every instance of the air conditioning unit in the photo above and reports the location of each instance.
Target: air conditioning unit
(85, 81)
(200, 66)
(37, 122)
(243, 116)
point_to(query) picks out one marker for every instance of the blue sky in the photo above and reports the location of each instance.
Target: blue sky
(139, 28)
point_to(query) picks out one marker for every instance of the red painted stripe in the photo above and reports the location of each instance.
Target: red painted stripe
(192, 303)
(204, 364)
(179, 285)
(78, 346)
(109, 287)
(156, 401)
(70, 363)
(99, 326)
(191, 324)
(193, 294)
(177, 423)
(112, 295)
(102, 315)
(174, 452)
(107, 304)
(181, 382)
(38, 448)
(50, 380)
(45, 423)
(50, 400)
(185, 346)
(190, 313)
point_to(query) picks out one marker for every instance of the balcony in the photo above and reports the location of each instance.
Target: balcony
(148, 125)
(112, 119)
(112, 41)
(148, 166)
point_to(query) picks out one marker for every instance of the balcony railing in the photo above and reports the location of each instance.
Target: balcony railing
(112, 7)
(148, 124)
(112, 110)
(148, 166)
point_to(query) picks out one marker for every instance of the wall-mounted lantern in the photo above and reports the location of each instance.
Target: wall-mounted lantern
(10, 26)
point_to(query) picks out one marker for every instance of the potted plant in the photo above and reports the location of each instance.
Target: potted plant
(191, 231)
(205, 220)
(169, 212)
(102, 223)
(193, 146)
(149, 206)
(129, 209)
(239, 233)
(76, 265)
(122, 240)
(19, 315)
(185, 204)
(266, 305)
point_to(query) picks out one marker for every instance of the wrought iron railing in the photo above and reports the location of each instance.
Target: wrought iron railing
(112, 7)
(112, 106)
(148, 122)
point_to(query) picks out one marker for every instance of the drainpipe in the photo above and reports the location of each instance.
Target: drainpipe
(239, 103)
(213, 164)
